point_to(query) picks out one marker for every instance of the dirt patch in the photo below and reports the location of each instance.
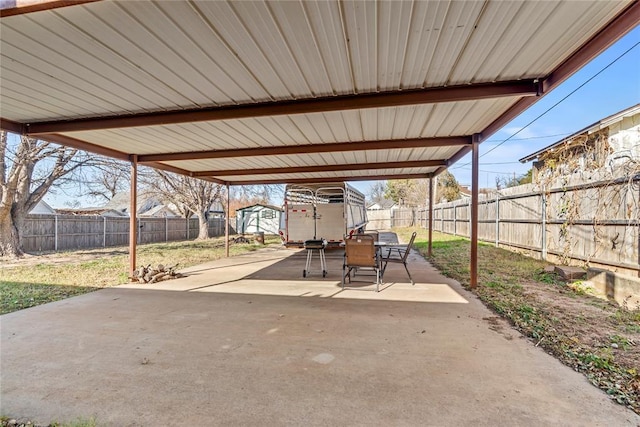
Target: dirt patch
(498, 325)
(590, 321)
(595, 337)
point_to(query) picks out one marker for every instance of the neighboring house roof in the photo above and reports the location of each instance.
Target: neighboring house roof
(382, 204)
(91, 211)
(259, 205)
(121, 201)
(464, 192)
(160, 211)
(601, 124)
(216, 207)
(42, 208)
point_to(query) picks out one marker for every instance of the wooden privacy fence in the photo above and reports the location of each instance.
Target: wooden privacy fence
(68, 232)
(595, 222)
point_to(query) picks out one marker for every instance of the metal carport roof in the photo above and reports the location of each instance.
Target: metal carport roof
(245, 92)
(274, 91)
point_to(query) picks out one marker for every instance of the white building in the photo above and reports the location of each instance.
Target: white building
(258, 218)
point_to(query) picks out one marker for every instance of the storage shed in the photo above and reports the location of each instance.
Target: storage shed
(258, 218)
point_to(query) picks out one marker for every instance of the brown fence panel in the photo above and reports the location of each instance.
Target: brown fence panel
(42, 233)
(595, 222)
(38, 234)
(79, 232)
(116, 232)
(379, 219)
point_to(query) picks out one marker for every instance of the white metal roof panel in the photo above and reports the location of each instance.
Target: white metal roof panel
(349, 157)
(423, 121)
(313, 175)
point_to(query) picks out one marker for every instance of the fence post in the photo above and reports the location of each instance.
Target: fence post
(442, 219)
(497, 219)
(187, 228)
(455, 218)
(543, 199)
(104, 231)
(166, 228)
(469, 229)
(55, 233)
(138, 231)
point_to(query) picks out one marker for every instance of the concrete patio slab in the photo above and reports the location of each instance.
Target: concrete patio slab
(248, 341)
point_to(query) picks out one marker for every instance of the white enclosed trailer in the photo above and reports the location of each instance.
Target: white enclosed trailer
(321, 211)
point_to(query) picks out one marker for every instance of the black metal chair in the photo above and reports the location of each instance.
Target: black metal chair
(399, 255)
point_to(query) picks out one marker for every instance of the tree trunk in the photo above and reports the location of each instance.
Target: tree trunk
(10, 237)
(203, 224)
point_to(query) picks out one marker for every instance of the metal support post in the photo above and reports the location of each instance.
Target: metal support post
(475, 159)
(226, 228)
(133, 229)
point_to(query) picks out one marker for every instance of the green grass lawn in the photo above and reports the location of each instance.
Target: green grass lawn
(62, 275)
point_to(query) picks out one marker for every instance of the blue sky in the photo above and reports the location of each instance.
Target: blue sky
(615, 89)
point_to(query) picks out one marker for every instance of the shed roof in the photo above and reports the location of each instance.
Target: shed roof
(272, 92)
(260, 205)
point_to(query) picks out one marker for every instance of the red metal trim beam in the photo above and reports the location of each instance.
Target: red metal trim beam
(303, 106)
(67, 141)
(21, 7)
(459, 155)
(180, 171)
(387, 144)
(335, 178)
(323, 168)
(11, 126)
(624, 22)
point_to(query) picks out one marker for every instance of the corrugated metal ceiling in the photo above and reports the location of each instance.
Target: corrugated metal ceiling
(111, 59)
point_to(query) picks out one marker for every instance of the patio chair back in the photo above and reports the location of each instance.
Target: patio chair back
(409, 247)
(360, 251)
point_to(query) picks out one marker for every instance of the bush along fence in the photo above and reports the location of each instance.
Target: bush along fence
(595, 223)
(45, 233)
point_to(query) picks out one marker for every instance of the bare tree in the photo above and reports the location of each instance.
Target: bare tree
(107, 178)
(191, 196)
(28, 169)
(414, 192)
(376, 192)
